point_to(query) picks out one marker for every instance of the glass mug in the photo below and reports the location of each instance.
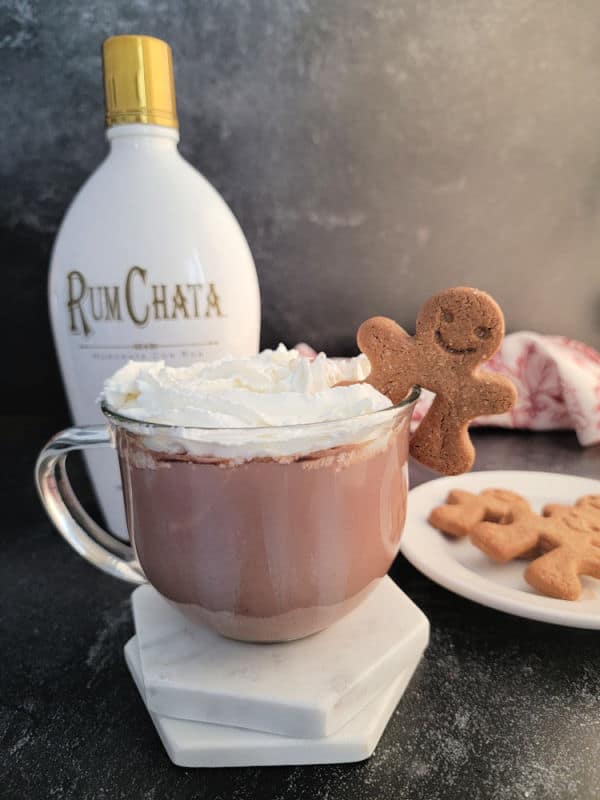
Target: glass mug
(266, 549)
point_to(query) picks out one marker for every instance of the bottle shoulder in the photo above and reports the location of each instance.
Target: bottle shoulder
(149, 197)
(132, 184)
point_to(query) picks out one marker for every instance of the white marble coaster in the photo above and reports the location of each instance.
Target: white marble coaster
(307, 688)
(200, 744)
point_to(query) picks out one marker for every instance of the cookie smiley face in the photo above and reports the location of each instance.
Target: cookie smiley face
(464, 323)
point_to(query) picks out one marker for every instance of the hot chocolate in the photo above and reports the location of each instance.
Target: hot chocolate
(280, 520)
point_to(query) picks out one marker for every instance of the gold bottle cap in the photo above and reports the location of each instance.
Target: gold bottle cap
(138, 81)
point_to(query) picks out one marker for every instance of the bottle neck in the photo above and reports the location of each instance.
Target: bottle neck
(142, 137)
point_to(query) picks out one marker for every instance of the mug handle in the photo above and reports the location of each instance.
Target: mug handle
(86, 537)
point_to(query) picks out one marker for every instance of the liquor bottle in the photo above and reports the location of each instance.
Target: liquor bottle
(149, 262)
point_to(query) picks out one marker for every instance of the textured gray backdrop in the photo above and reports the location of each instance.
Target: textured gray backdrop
(373, 152)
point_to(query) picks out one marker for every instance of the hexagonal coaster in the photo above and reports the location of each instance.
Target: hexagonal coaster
(307, 688)
(201, 744)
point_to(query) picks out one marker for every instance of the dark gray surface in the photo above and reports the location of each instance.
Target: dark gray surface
(500, 707)
(373, 151)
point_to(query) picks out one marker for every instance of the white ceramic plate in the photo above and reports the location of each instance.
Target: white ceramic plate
(459, 566)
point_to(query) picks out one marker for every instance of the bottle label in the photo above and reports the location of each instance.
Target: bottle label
(138, 300)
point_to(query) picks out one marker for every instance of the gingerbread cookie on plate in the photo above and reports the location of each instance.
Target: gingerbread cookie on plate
(567, 536)
(463, 510)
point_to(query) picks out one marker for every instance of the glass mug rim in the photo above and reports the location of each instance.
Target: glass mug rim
(141, 426)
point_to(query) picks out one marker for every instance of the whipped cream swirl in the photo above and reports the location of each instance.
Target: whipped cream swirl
(235, 395)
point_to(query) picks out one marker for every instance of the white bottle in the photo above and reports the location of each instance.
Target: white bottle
(149, 262)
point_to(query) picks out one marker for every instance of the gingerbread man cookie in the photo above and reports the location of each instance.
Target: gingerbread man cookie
(573, 542)
(457, 330)
(463, 510)
(568, 537)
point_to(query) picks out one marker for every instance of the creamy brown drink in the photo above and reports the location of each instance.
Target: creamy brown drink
(262, 498)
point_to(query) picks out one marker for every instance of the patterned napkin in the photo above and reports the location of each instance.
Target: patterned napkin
(557, 380)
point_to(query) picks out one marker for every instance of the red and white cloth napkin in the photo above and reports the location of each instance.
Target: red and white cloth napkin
(557, 380)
